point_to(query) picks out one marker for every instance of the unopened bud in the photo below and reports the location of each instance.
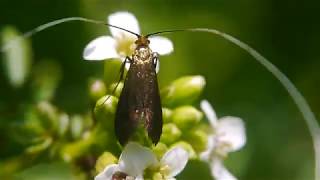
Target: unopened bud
(182, 91)
(105, 109)
(160, 149)
(186, 117)
(104, 160)
(170, 133)
(198, 139)
(166, 115)
(97, 89)
(116, 88)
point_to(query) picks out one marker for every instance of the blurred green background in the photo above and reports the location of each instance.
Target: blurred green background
(286, 32)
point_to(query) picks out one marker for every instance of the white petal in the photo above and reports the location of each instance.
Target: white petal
(209, 112)
(206, 155)
(232, 130)
(161, 45)
(135, 159)
(101, 48)
(140, 177)
(176, 159)
(107, 173)
(124, 20)
(219, 172)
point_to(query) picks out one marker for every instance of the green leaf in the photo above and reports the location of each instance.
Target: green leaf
(17, 56)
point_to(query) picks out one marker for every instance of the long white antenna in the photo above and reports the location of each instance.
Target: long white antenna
(56, 22)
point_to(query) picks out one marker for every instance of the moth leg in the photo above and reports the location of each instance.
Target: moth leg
(123, 65)
(155, 59)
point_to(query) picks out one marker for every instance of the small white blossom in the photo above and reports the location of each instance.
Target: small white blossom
(135, 159)
(121, 43)
(229, 136)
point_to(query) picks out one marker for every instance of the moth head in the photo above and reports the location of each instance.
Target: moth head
(142, 41)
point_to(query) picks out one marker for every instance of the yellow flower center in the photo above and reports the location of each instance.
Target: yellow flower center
(125, 45)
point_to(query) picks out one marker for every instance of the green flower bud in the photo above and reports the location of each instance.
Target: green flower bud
(198, 139)
(186, 117)
(48, 115)
(76, 149)
(166, 115)
(170, 133)
(97, 89)
(160, 149)
(186, 146)
(157, 176)
(105, 109)
(76, 126)
(104, 160)
(34, 149)
(63, 124)
(17, 56)
(184, 90)
(118, 89)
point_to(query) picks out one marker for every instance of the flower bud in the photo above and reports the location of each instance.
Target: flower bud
(97, 89)
(186, 146)
(118, 89)
(186, 117)
(198, 139)
(104, 160)
(170, 133)
(166, 115)
(63, 124)
(160, 149)
(183, 91)
(75, 149)
(17, 56)
(76, 126)
(48, 115)
(157, 176)
(105, 109)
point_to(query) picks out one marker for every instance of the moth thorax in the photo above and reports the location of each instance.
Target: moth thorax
(142, 54)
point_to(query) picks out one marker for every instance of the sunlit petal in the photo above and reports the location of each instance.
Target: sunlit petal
(140, 177)
(219, 172)
(161, 45)
(175, 160)
(124, 20)
(210, 147)
(209, 112)
(135, 158)
(101, 48)
(107, 173)
(232, 130)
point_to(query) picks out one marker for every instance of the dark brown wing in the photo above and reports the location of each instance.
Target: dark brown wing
(139, 104)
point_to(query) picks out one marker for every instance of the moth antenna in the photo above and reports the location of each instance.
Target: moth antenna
(165, 32)
(57, 22)
(294, 93)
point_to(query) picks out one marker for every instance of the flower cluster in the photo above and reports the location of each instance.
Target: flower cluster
(184, 136)
(87, 141)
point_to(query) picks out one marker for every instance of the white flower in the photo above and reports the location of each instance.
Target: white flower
(121, 43)
(135, 159)
(173, 162)
(229, 136)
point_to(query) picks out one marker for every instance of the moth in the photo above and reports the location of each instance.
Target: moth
(139, 102)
